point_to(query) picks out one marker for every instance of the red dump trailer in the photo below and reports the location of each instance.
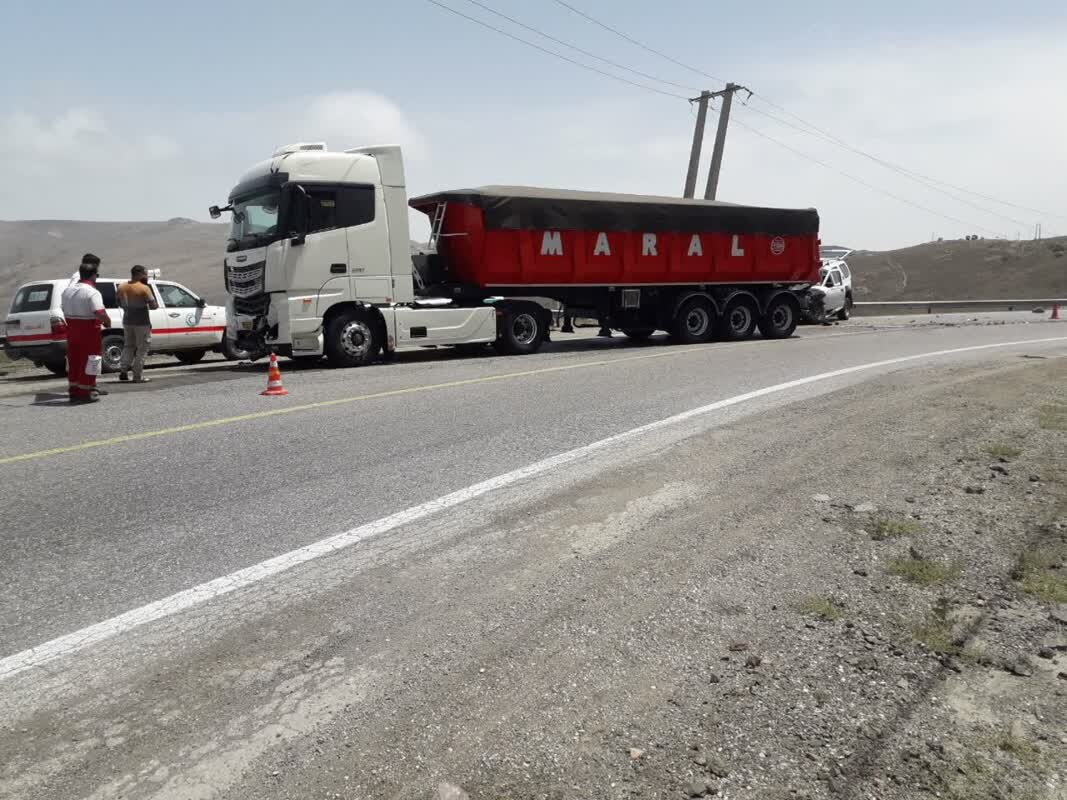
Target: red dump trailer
(695, 268)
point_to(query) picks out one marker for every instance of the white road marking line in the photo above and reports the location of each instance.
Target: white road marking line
(73, 642)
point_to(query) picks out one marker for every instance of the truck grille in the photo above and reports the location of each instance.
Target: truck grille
(245, 281)
(255, 306)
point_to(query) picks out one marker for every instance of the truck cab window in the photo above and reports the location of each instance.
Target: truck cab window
(322, 210)
(339, 207)
(356, 205)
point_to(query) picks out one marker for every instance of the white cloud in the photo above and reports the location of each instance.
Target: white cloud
(354, 118)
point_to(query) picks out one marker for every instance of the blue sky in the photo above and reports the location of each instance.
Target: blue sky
(123, 110)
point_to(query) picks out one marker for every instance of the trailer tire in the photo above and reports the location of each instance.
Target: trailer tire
(522, 330)
(695, 322)
(780, 318)
(352, 339)
(740, 319)
(638, 334)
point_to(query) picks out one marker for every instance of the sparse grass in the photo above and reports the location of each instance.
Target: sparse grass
(976, 652)
(893, 528)
(822, 607)
(1038, 572)
(936, 631)
(1053, 417)
(1001, 450)
(923, 571)
(1023, 749)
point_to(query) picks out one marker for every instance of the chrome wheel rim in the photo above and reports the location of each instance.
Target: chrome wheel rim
(356, 338)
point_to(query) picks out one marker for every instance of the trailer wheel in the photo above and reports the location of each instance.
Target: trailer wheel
(638, 334)
(352, 339)
(740, 320)
(781, 317)
(695, 322)
(522, 330)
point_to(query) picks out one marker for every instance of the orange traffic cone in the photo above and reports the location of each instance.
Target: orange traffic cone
(274, 379)
(1055, 311)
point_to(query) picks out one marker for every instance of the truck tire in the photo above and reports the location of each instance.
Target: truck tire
(522, 330)
(695, 322)
(111, 350)
(846, 310)
(779, 321)
(231, 352)
(638, 334)
(190, 356)
(739, 320)
(58, 368)
(352, 339)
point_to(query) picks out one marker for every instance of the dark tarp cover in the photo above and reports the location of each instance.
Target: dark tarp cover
(532, 208)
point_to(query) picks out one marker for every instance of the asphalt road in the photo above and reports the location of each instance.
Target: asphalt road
(218, 479)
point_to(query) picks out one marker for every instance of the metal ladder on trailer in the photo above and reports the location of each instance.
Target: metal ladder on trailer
(436, 224)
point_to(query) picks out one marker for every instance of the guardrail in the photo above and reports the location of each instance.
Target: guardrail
(889, 307)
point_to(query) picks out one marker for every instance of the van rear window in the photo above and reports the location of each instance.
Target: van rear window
(32, 298)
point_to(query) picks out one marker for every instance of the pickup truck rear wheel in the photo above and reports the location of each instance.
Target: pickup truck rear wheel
(521, 330)
(352, 339)
(190, 356)
(111, 350)
(846, 310)
(781, 317)
(695, 322)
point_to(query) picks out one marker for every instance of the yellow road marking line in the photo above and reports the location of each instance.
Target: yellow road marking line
(274, 412)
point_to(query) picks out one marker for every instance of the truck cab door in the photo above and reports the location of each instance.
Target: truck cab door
(318, 261)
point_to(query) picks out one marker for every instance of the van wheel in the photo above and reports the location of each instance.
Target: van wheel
(638, 334)
(740, 320)
(57, 368)
(781, 317)
(695, 322)
(190, 356)
(521, 330)
(112, 352)
(352, 339)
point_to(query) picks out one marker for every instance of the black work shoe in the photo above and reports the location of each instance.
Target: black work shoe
(124, 376)
(80, 401)
(100, 391)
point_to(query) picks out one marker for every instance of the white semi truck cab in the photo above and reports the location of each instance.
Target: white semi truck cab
(319, 262)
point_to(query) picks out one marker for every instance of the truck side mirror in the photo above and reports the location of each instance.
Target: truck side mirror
(298, 214)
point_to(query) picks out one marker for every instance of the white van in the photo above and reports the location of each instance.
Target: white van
(183, 325)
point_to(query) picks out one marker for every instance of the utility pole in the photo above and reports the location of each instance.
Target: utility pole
(727, 96)
(698, 141)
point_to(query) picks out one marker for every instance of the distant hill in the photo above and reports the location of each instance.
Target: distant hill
(982, 269)
(192, 252)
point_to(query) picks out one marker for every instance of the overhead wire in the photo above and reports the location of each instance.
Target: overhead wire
(569, 60)
(575, 47)
(816, 130)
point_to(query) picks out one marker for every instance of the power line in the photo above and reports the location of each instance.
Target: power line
(633, 41)
(862, 182)
(920, 179)
(554, 53)
(815, 128)
(575, 47)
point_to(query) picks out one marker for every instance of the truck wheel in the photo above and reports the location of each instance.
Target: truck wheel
(846, 310)
(352, 339)
(231, 352)
(638, 334)
(522, 330)
(112, 352)
(57, 368)
(190, 356)
(780, 319)
(695, 322)
(739, 321)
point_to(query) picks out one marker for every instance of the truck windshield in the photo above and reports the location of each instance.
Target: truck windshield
(255, 220)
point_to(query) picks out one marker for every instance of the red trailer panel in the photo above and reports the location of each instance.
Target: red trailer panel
(522, 236)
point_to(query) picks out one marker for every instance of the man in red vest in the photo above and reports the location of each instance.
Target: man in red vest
(83, 308)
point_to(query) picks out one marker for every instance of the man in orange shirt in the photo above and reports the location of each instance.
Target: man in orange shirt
(136, 299)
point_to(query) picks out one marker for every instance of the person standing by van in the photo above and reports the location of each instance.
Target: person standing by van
(137, 300)
(83, 308)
